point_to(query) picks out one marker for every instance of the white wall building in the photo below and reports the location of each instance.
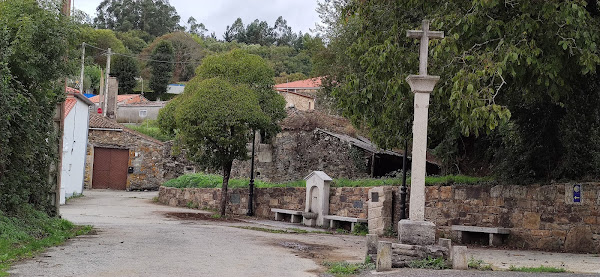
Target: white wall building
(75, 139)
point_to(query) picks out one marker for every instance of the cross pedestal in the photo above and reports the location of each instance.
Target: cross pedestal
(416, 230)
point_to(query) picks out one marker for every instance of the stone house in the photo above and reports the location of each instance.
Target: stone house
(300, 94)
(120, 158)
(133, 108)
(76, 118)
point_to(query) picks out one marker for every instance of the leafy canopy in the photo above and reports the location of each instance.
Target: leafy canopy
(162, 68)
(156, 17)
(34, 43)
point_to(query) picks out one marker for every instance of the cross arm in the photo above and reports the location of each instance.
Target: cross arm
(414, 34)
(435, 34)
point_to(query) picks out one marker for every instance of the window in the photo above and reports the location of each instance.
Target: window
(143, 113)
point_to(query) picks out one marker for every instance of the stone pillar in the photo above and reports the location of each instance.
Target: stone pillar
(384, 256)
(416, 230)
(380, 210)
(459, 257)
(372, 244)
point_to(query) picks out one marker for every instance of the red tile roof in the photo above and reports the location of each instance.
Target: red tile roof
(124, 99)
(313, 83)
(72, 90)
(69, 104)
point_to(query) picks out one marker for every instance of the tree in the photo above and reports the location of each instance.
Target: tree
(132, 41)
(496, 58)
(196, 28)
(157, 17)
(125, 68)
(283, 33)
(92, 78)
(188, 53)
(162, 68)
(34, 43)
(259, 32)
(231, 94)
(236, 32)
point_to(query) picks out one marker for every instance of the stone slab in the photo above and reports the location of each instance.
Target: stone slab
(489, 230)
(416, 232)
(344, 218)
(384, 256)
(459, 257)
(283, 211)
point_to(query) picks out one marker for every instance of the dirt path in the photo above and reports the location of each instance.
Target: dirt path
(135, 237)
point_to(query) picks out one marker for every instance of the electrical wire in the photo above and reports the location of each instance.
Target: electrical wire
(135, 57)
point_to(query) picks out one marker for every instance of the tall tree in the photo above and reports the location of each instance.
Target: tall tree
(157, 17)
(196, 28)
(126, 69)
(259, 32)
(162, 69)
(230, 95)
(283, 33)
(236, 32)
(496, 59)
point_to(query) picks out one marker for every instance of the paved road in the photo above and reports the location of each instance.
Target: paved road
(135, 238)
(468, 273)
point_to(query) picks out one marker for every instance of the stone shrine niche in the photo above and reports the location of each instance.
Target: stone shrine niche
(317, 198)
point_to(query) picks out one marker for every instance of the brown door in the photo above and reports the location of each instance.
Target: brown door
(110, 168)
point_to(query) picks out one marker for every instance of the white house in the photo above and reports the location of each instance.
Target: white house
(76, 113)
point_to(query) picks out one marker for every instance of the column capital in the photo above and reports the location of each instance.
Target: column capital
(422, 83)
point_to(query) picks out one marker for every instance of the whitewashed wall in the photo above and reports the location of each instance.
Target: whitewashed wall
(74, 151)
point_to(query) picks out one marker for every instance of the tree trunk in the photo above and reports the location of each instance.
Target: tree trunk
(226, 174)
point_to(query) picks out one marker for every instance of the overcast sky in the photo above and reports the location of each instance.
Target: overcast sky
(217, 14)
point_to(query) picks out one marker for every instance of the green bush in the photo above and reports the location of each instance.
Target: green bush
(539, 269)
(360, 229)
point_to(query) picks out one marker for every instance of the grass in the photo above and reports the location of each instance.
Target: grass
(29, 233)
(360, 229)
(429, 263)
(200, 180)
(346, 268)
(541, 268)
(150, 128)
(479, 265)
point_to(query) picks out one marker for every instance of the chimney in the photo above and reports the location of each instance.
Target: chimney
(111, 103)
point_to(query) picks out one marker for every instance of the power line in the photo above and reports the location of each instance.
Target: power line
(135, 57)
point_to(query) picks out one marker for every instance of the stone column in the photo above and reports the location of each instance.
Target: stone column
(416, 230)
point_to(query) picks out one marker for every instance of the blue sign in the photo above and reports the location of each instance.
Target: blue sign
(576, 193)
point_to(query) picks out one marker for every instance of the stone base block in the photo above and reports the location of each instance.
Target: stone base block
(384, 256)
(416, 232)
(459, 258)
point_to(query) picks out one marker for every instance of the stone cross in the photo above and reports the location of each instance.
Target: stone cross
(424, 35)
(422, 85)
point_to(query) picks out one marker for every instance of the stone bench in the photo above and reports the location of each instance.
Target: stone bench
(282, 214)
(468, 233)
(333, 221)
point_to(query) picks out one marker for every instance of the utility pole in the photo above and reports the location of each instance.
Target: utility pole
(82, 67)
(104, 105)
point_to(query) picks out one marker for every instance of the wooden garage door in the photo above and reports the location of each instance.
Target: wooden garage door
(110, 168)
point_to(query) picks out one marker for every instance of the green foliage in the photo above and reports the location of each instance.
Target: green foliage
(125, 68)
(151, 128)
(132, 41)
(162, 69)
(346, 268)
(539, 269)
(429, 263)
(522, 62)
(156, 17)
(92, 74)
(199, 180)
(360, 229)
(101, 38)
(29, 232)
(429, 180)
(33, 47)
(192, 205)
(479, 265)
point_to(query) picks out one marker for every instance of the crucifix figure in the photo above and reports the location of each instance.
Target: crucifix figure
(416, 230)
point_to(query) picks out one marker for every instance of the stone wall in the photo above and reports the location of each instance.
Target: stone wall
(343, 201)
(145, 156)
(540, 216)
(295, 154)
